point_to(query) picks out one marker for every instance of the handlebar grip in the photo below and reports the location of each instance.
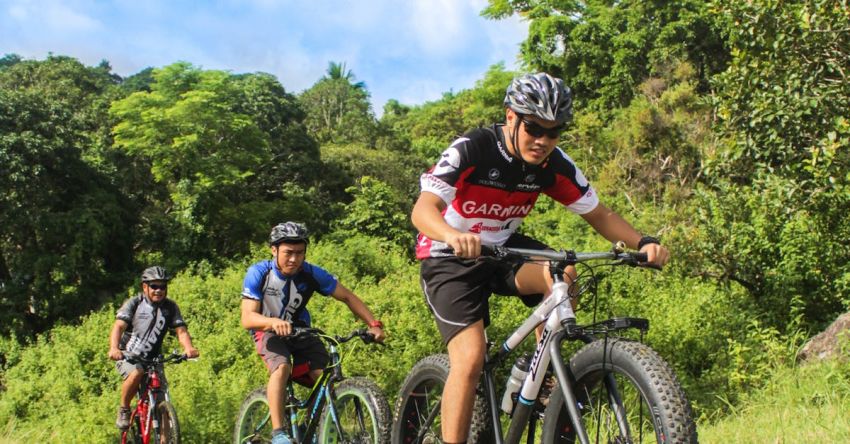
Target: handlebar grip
(488, 250)
(641, 261)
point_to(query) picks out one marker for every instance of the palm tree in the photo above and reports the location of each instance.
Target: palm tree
(338, 71)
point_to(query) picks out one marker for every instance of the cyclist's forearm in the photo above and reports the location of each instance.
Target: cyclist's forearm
(184, 338)
(427, 217)
(256, 321)
(360, 310)
(612, 226)
(354, 303)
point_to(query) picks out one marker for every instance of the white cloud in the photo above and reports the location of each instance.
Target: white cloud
(53, 15)
(438, 25)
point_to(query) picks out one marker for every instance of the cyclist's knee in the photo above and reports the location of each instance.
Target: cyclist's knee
(281, 373)
(466, 351)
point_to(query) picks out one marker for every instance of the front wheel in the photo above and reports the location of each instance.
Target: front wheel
(133, 435)
(363, 414)
(253, 425)
(169, 429)
(417, 410)
(626, 393)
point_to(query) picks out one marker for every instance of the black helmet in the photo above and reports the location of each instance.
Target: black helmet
(540, 95)
(155, 273)
(291, 232)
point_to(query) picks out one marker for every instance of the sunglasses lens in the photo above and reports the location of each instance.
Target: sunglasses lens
(158, 287)
(535, 130)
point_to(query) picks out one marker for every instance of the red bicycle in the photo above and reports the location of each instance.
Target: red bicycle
(153, 419)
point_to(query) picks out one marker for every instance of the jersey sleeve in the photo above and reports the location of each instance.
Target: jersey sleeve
(326, 281)
(127, 310)
(443, 177)
(571, 188)
(176, 318)
(252, 286)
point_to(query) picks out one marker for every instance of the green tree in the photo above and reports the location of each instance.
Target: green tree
(785, 97)
(377, 211)
(206, 136)
(338, 110)
(62, 222)
(605, 49)
(778, 225)
(338, 71)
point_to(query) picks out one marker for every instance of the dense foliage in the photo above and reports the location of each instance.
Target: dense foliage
(719, 126)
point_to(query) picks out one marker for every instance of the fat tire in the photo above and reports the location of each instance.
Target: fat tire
(432, 371)
(166, 410)
(255, 400)
(632, 363)
(375, 404)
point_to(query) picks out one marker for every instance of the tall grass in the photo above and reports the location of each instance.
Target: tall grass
(809, 404)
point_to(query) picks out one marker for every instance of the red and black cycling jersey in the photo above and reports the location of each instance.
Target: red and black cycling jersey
(488, 191)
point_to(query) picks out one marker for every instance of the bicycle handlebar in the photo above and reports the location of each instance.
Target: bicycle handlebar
(362, 333)
(172, 358)
(569, 257)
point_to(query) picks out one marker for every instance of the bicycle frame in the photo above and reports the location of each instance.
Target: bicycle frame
(146, 406)
(321, 393)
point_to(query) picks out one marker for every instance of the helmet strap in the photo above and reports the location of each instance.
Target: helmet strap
(515, 141)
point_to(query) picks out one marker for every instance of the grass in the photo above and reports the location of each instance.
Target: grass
(809, 404)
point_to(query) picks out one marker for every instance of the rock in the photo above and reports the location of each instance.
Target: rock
(829, 343)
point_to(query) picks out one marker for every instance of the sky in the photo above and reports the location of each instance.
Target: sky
(409, 50)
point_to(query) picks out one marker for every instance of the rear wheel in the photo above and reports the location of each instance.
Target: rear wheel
(253, 425)
(419, 400)
(169, 429)
(626, 393)
(363, 413)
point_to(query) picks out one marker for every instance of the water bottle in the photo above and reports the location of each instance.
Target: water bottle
(518, 372)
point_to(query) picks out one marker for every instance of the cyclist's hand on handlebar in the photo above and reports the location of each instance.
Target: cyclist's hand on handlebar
(280, 327)
(656, 255)
(464, 244)
(191, 352)
(378, 333)
(115, 354)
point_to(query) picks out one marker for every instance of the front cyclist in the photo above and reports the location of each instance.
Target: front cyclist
(274, 296)
(479, 191)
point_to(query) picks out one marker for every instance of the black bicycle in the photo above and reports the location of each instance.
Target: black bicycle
(337, 409)
(612, 390)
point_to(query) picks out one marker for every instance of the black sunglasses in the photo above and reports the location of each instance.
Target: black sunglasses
(158, 286)
(535, 130)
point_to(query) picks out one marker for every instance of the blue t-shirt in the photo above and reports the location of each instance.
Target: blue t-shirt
(286, 297)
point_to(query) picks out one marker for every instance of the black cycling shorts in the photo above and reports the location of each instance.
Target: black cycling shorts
(457, 290)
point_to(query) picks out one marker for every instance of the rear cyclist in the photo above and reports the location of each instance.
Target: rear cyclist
(274, 298)
(138, 332)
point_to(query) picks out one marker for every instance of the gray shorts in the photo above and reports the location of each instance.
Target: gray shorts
(125, 368)
(302, 353)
